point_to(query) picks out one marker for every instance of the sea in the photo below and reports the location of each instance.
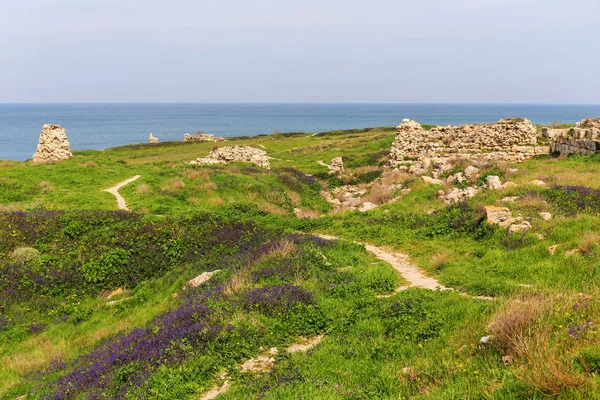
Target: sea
(100, 126)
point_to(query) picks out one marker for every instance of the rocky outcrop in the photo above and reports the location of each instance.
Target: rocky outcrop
(493, 182)
(584, 139)
(199, 137)
(225, 155)
(456, 195)
(511, 140)
(53, 145)
(152, 139)
(497, 215)
(502, 217)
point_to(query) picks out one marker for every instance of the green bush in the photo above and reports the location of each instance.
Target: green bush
(100, 270)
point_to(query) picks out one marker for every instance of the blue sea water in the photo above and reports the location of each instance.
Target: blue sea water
(99, 126)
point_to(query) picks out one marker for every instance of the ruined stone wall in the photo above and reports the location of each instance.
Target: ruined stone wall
(511, 140)
(224, 155)
(584, 139)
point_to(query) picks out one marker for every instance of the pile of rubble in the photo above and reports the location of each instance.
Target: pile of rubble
(200, 137)
(225, 155)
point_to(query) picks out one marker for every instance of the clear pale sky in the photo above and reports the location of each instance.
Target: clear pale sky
(523, 51)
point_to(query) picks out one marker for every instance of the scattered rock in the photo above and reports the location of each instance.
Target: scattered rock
(258, 364)
(572, 252)
(459, 177)
(216, 391)
(483, 341)
(456, 195)
(519, 227)
(152, 139)
(538, 182)
(367, 206)
(199, 137)
(471, 172)
(202, 278)
(305, 344)
(493, 182)
(507, 185)
(509, 199)
(432, 181)
(546, 216)
(117, 292)
(224, 155)
(497, 215)
(53, 145)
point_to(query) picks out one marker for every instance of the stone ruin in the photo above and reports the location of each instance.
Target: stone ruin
(225, 155)
(199, 137)
(336, 166)
(584, 139)
(53, 145)
(511, 140)
(152, 139)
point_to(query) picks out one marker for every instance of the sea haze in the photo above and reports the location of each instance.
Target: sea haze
(99, 126)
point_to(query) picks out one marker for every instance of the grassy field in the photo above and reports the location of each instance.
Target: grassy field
(64, 249)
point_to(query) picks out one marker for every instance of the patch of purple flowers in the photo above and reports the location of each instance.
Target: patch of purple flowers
(277, 298)
(578, 331)
(126, 361)
(573, 199)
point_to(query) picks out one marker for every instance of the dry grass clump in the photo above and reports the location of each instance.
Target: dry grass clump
(239, 281)
(510, 327)
(24, 254)
(284, 247)
(197, 173)
(41, 352)
(534, 203)
(304, 213)
(295, 198)
(143, 189)
(46, 187)
(379, 194)
(173, 185)
(441, 259)
(216, 201)
(194, 200)
(90, 164)
(10, 208)
(541, 344)
(207, 186)
(394, 176)
(590, 243)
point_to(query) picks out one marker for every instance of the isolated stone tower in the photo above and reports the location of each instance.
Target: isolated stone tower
(53, 146)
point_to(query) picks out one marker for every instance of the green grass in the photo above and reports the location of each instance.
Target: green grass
(415, 344)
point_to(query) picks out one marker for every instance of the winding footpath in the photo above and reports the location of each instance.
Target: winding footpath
(401, 263)
(121, 204)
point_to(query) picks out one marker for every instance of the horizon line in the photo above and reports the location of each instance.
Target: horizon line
(296, 103)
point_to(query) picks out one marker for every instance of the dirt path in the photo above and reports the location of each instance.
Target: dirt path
(261, 364)
(121, 204)
(409, 271)
(401, 263)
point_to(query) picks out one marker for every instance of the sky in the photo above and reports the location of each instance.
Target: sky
(396, 51)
